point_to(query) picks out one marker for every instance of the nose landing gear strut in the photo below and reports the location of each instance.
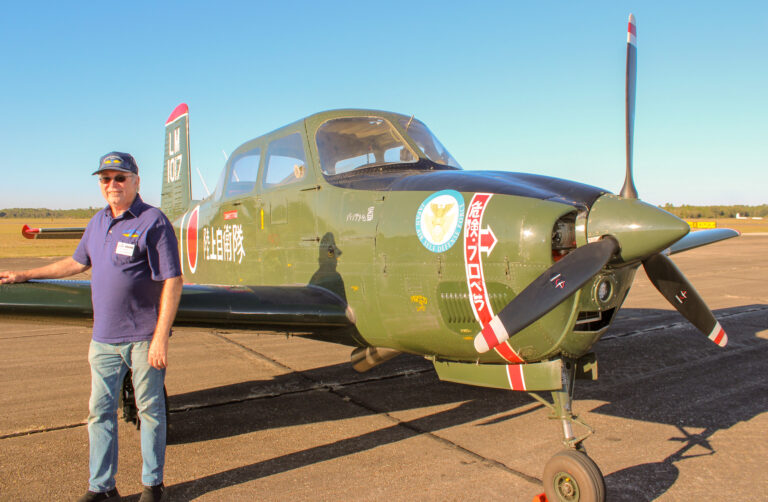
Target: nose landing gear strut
(570, 475)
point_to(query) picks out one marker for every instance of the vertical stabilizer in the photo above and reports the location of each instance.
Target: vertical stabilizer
(176, 194)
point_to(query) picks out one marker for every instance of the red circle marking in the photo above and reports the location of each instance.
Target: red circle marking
(192, 240)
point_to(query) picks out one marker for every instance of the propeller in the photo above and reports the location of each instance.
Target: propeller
(628, 230)
(546, 292)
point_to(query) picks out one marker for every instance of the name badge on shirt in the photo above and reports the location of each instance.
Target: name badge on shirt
(125, 248)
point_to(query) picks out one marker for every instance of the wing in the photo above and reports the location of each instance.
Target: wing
(702, 238)
(52, 233)
(309, 310)
(261, 307)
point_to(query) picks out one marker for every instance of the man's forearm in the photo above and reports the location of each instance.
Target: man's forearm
(62, 268)
(169, 304)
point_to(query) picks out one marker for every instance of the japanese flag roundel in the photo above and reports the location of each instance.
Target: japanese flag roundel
(191, 240)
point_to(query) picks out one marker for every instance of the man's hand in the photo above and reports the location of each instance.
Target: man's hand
(12, 276)
(157, 357)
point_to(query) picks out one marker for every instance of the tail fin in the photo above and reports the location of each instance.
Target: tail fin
(176, 194)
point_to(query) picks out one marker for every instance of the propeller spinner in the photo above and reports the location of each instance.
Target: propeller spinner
(621, 230)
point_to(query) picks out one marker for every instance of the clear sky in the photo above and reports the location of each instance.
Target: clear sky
(507, 85)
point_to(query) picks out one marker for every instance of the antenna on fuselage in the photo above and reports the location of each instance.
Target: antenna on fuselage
(207, 192)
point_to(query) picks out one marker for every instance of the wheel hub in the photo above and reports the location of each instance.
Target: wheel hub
(566, 486)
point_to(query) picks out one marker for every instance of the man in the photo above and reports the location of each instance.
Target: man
(135, 287)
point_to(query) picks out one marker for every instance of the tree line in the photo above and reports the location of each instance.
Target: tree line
(686, 211)
(41, 212)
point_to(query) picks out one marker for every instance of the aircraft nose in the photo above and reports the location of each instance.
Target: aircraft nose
(641, 229)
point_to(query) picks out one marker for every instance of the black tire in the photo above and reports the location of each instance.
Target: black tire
(571, 476)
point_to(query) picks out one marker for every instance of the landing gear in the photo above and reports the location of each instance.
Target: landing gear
(570, 476)
(127, 402)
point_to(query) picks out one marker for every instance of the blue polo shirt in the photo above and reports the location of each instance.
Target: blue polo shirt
(130, 256)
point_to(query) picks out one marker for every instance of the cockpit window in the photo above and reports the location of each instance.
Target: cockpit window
(350, 143)
(428, 143)
(242, 176)
(285, 163)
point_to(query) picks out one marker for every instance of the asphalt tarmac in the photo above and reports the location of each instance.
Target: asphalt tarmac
(258, 416)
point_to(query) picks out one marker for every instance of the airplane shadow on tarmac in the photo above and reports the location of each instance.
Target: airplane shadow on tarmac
(674, 376)
(418, 390)
(404, 383)
(657, 370)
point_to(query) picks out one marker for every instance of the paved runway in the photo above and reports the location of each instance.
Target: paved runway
(264, 417)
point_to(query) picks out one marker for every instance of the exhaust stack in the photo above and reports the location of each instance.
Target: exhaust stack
(365, 358)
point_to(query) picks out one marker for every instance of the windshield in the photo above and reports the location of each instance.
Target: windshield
(430, 146)
(350, 143)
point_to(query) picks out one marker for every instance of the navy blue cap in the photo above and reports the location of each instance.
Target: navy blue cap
(118, 161)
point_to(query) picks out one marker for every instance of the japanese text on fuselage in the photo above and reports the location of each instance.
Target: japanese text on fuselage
(473, 247)
(223, 243)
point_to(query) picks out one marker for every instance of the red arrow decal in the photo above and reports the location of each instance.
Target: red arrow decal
(487, 241)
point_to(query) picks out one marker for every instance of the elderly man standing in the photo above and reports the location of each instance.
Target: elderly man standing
(136, 286)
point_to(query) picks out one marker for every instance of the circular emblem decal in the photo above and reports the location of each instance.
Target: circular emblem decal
(439, 220)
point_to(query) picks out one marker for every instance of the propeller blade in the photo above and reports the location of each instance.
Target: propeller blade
(673, 285)
(546, 292)
(628, 190)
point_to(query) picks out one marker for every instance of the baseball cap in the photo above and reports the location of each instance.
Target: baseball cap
(118, 161)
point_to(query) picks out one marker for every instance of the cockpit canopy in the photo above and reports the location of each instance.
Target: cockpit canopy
(350, 143)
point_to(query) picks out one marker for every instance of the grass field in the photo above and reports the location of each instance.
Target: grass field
(13, 244)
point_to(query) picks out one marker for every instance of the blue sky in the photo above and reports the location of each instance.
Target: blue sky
(518, 86)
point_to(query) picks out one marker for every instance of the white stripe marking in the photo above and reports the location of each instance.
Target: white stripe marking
(716, 331)
(186, 114)
(480, 344)
(498, 329)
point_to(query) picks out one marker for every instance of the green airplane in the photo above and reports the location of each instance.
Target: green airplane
(358, 227)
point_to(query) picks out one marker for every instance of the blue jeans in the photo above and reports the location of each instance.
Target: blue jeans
(109, 365)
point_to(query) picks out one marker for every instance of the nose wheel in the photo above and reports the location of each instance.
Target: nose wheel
(571, 476)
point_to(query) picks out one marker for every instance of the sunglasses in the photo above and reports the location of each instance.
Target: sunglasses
(120, 178)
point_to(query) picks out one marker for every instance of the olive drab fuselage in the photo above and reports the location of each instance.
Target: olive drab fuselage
(360, 237)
